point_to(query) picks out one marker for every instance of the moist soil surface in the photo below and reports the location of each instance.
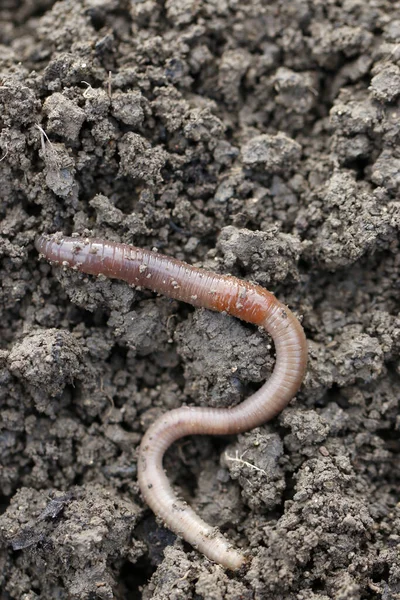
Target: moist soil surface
(254, 138)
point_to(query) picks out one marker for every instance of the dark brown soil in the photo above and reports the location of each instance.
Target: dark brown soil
(258, 138)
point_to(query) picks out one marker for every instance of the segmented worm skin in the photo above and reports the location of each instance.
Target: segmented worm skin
(198, 287)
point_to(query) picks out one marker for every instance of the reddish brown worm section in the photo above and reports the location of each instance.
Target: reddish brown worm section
(222, 293)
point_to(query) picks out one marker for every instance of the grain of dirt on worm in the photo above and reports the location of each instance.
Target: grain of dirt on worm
(259, 139)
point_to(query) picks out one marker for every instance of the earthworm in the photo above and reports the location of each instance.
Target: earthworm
(201, 288)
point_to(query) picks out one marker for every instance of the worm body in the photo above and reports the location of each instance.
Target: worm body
(198, 287)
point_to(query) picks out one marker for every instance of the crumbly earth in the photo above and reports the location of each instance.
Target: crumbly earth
(257, 138)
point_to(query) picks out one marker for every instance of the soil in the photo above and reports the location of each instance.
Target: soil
(257, 138)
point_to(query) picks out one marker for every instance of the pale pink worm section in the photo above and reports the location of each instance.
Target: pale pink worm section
(198, 287)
